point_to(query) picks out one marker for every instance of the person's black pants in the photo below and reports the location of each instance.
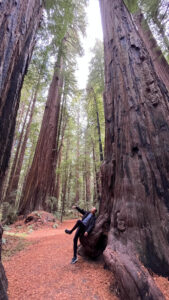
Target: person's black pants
(79, 232)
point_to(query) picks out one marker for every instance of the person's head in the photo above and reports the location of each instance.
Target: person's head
(93, 210)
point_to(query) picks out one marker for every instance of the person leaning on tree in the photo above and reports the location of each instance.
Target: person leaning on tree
(84, 227)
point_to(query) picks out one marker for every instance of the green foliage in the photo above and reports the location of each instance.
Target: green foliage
(156, 15)
(9, 213)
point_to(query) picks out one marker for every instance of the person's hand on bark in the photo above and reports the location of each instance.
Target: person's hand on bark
(86, 234)
(74, 206)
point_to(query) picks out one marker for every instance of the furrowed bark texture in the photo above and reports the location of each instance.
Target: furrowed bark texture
(10, 189)
(3, 279)
(15, 181)
(40, 182)
(19, 21)
(135, 173)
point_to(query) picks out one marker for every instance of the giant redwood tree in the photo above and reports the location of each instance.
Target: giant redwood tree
(132, 225)
(19, 21)
(41, 177)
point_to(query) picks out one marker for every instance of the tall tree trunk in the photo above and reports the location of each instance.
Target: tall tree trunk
(40, 181)
(3, 279)
(57, 187)
(135, 185)
(98, 126)
(69, 187)
(65, 181)
(97, 195)
(77, 194)
(87, 176)
(161, 29)
(16, 176)
(160, 63)
(8, 197)
(19, 21)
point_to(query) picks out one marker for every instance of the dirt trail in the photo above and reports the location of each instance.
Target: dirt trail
(43, 270)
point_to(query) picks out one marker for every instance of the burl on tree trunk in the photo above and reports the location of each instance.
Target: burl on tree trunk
(3, 279)
(133, 221)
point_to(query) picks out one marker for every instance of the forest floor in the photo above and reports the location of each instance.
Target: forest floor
(42, 270)
(38, 268)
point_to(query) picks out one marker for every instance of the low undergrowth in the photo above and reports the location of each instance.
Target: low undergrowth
(13, 243)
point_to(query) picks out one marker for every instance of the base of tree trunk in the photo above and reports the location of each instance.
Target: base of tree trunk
(96, 242)
(134, 281)
(3, 279)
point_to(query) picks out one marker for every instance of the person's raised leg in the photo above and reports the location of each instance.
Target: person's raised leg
(78, 224)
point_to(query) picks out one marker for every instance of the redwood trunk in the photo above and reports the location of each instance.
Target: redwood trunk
(8, 197)
(57, 188)
(3, 279)
(16, 177)
(19, 21)
(98, 128)
(65, 181)
(40, 181)
(97, 183)
(77, 195)
(135, 185)
(87, 176)
(159, 61)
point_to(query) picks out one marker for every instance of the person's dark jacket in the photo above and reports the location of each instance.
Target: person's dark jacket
(85, 213)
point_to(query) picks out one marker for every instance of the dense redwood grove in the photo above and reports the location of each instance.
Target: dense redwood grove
(19, 21)
(133, 220)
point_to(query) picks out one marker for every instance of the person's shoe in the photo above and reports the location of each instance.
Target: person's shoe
(68, 231)
(74, 260)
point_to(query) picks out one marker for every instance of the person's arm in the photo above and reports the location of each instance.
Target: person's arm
(82, 211)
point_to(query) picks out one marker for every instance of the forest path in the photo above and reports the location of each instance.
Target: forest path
(42, 271)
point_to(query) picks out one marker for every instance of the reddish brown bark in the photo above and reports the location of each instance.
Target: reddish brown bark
(159, 61)
(19, 21)
(3, 279)
(8, 197)
(16, 176)
(134, 206)
(40, 182)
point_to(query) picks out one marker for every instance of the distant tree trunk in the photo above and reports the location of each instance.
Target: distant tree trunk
(59, 145)
(161, 30)
(135, 173)
(98, 126)
(160, 63)
(16, 176)
(97, 196)
(9, 198)
(77, 194)
(40, 183)
(57, 187)
(65, 181)
(84, 184)
(19, 21)
(87, 177)
(69, 187)
(3, 279)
